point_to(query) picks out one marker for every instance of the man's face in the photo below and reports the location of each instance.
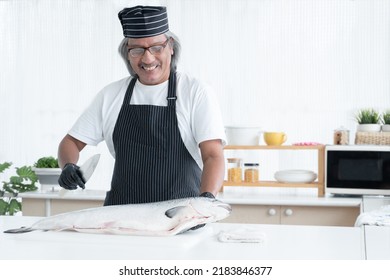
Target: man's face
(151, 69)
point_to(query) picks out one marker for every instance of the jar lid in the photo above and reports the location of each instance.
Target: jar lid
(231, 160)
(251, 164)
(341, 128)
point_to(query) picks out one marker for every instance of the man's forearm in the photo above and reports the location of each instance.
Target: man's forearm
(213, 174)
(69, 150)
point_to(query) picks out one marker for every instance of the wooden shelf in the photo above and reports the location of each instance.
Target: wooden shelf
(264, 147)
(319, 184)
(272, 184)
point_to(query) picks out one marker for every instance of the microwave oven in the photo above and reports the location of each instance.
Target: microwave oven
(357, 169)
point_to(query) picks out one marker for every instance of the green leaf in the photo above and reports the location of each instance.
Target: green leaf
(3, 207)
(24, 181)
(47, 162)
(386, 117)
(9, 188)
(14, 206)
(15, 180)
(4, 166)
(368, 116)
(26, 172)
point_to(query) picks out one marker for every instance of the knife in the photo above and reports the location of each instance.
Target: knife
(89, 166)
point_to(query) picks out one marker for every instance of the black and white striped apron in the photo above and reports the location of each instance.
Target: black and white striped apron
(152, 162)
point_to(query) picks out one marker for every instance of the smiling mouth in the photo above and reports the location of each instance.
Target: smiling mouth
(149, 68)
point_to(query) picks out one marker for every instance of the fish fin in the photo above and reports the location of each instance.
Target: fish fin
(19, 230)
(170, 213)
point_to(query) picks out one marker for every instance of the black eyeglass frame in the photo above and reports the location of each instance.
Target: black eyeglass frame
(150, 49)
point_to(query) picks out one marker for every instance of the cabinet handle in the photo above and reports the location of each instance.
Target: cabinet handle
(288, 212)
(272, 212)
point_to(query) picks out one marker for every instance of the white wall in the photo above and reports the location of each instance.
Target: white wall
(301, 66)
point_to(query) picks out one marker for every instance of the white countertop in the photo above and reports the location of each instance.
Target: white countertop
(370, 203)
(232, 195)
(282, 242)
(282, 196)
(377, 238)
(378, 242)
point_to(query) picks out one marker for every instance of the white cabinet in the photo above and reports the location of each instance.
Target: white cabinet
(293, 215)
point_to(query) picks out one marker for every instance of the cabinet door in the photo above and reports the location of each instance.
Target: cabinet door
(49, 207)
(254, 214)
(33, 207)
(318, 215)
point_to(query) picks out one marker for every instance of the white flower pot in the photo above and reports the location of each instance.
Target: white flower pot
(48, 177)
(386, 127)
(370, 127)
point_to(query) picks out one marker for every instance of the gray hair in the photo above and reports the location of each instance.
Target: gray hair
(175, 44)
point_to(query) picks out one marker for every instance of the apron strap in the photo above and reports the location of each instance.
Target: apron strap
(172, 90)
(129, 91)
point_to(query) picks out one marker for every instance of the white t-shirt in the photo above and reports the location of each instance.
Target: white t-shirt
(197, 110)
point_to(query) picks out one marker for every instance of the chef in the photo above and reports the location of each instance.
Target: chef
(163, 127)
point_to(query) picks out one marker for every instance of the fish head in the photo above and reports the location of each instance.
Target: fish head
(211, 208)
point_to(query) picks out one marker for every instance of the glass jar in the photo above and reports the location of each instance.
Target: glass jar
(341, 136)
(234, 170)
(251, 172)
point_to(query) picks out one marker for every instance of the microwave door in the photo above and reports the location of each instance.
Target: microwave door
(369, 170)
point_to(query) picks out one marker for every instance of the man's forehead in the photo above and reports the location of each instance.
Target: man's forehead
(146, 41)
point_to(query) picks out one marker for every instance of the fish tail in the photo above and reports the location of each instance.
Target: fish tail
(19, 230)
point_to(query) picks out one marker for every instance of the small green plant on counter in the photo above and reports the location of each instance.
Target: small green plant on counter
(367, 116)
(386, 117)
(47, 162)
(24, 181)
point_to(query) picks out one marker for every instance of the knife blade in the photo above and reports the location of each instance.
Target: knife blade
(89, 166)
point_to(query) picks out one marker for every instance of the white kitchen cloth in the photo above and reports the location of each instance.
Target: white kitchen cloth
(378, 217)
(242, 235)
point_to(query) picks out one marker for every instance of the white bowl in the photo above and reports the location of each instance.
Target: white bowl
(295, 176)
(237, 135)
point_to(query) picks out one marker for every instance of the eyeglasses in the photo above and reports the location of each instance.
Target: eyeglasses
(154, 50)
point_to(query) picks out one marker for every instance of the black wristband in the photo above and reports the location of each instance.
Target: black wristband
(207, 194)
(72, 164)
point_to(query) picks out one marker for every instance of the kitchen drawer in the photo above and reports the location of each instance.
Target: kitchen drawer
(319, 215)
(254, 214)
(293, 215)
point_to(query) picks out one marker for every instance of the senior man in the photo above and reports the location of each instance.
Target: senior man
(163, 127)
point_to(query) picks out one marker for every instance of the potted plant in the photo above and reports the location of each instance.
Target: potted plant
(48, 172)
(386, 121)
(368, 120)
(23, 181)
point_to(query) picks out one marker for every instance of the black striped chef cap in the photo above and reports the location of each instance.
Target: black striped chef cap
(143, 21)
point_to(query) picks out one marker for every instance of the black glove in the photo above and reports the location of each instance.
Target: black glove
(205, 194)
(71, 177)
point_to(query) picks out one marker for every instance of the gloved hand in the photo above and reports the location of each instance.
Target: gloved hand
(204, 194)
(71, 177)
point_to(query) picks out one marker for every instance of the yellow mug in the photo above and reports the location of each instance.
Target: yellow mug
(275, 138)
